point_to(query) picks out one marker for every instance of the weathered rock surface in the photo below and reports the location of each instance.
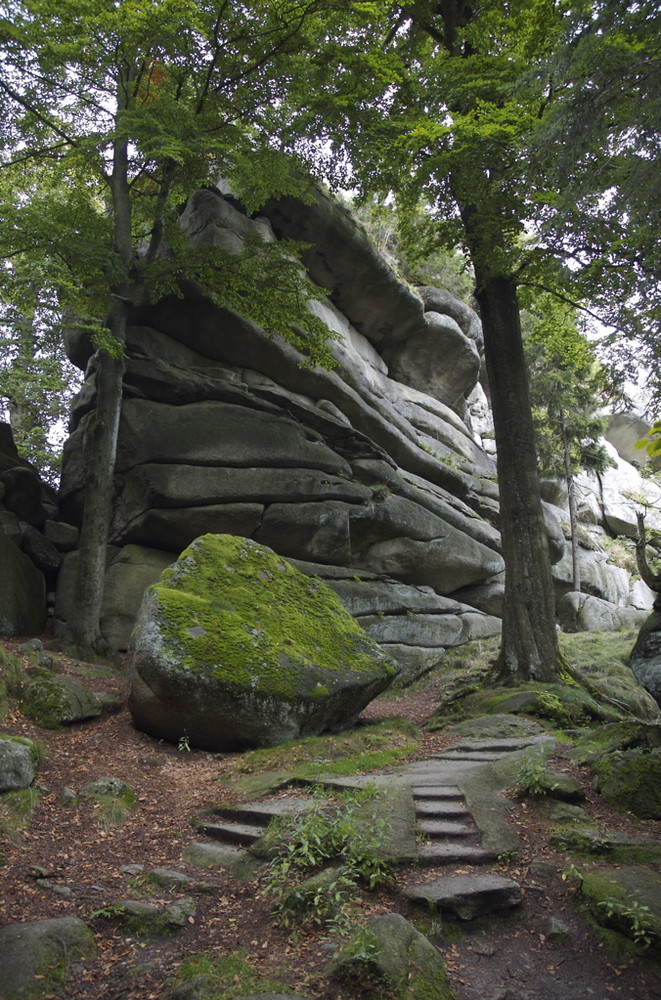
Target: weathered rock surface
(467, 896)
(645, 658)
(52, 700)
(579, 612)
(361, 468)
(17, 763)
(31, 543)
(235, 648)
(401, 957)
(30, 951)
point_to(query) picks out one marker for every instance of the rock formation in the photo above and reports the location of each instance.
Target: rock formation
(377, 476)
(234, 648)
(376, 484)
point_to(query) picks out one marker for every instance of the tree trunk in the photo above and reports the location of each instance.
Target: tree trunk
(529, 648)
(573, 514)
(99, 449)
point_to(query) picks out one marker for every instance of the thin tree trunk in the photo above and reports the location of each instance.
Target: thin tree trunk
(529, 648)
(100, 446)
(573, 513)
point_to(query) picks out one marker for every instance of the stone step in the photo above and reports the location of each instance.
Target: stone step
(445, 854)
(231, 833)
(439, 828)
(263, 812)
(442, 808)
(469, 755)
(436, 792)
(467, 896)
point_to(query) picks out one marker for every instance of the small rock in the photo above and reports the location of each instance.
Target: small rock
(542, 869)
(67, 796)
(557, 930)
(134, 869)
(59, 890)
(483, 948)
(169, 879)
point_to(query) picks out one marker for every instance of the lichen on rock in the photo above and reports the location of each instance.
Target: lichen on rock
(235, 648)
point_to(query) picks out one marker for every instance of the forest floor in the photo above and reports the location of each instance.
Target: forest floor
(504, 957)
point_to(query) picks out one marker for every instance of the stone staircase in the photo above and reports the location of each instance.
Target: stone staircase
(243, 825)
(445, 822)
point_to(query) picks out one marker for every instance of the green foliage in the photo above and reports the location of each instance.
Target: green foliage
(343, 834)
(635, 916)
(652, 443)
(532, 778)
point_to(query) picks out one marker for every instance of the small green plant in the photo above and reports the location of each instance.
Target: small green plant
(572, 874)
(363, 948)
(506, 858)
(183, 743)
(532, 778)
(225, 977)
(635, 916)
(343, 830)
(380, 492)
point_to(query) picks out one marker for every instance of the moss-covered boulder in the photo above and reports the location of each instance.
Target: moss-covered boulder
(18, 762)
(234, 648)
(393, 959)
(627, 901)
(631, 780)
(52, 700)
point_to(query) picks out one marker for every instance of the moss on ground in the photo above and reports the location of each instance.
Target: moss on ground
(221, 978)
(598, 687)
(355, 751)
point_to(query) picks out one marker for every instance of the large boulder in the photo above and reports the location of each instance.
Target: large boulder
(22, 592)
(35, 957)
(582, 613)
(235, 648)
(645, 660)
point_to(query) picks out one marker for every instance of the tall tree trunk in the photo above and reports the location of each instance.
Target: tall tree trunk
(529, 648)
(99, 450)
(100, 445)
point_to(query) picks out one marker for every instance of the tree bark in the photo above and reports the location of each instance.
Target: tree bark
(529, 648)
(100, 444)
(99, 449)
(573, 514)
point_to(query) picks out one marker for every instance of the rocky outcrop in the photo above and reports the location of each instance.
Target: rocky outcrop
(352, 471)
(235, 648)
(32, 542)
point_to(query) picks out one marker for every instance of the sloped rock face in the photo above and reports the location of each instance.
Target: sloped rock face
(235, 648)
(222, 431)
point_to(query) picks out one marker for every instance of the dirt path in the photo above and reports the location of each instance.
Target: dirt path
(509, 958)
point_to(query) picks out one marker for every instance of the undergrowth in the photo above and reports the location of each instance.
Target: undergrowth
(325, 855)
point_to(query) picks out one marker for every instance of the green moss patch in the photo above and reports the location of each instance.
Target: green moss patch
(236, 611)
(356, 751)
(221, 978)
(598, 687)
(631, 781)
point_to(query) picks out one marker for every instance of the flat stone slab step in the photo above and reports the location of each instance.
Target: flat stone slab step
(263, 811)
(473, 755)
(442, 808)
(445, 854)
(231, 833)
(467, 896)
(436, 792)
(439, 828)
(498, 746)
